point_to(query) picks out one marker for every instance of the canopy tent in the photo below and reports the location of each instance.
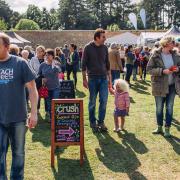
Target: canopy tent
(124, 39)
(173, 31)
(149, 38)
(13, 40)
(16, 39)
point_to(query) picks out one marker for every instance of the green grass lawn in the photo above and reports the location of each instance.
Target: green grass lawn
(134, 154)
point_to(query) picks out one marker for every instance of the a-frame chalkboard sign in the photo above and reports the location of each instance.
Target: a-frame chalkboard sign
(67, 126)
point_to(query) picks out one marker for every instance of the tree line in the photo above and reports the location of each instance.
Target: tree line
(90, 14)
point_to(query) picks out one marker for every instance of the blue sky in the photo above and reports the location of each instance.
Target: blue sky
(21, 5)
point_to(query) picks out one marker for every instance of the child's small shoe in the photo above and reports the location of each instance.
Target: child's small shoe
(121, 129)
(116, 130)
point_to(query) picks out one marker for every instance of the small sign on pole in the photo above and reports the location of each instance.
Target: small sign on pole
(67, 126)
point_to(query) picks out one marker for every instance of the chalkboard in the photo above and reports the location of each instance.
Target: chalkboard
(67, 89)
(67, 122)
(67, 125)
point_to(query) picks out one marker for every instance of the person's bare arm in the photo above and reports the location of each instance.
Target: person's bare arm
(84, 67)
(85, 82)
(33, 97)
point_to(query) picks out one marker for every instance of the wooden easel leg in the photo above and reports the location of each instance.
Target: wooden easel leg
(81, 155)
(52, 156)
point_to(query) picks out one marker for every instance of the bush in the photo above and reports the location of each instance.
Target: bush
(27, 24)
(113, 27)
(3, 25)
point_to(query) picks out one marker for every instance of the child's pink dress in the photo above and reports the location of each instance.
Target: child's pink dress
(122, 102)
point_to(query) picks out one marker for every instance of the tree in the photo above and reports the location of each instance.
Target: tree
(54, 19)
(161, 14)
(34, 13)
(5, 12)
(26, 24)
(45, 22)
(74, 14)
(14, 19)
(3, 25)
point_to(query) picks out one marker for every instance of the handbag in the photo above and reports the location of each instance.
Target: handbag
(43, 92)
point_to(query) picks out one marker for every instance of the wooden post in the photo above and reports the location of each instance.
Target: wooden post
(52, 133)
(82, 134)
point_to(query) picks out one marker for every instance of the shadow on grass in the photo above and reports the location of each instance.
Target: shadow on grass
(132, 100)
(139, 88)
(131, 140)
(176, 123)
(80, 94)
(71, 169)
(121, 157)
(42, 132)
(175, 142)
(146, 83)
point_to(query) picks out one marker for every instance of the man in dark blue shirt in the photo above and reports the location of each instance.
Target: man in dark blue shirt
(15, 75)
(95, 64)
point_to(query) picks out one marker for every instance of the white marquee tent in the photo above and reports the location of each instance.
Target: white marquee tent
(124, 39)
(173, 31)
(149, 38)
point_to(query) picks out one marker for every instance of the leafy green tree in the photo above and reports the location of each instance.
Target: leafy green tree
(45, 19)
(54, 21)
(74, 14)
(27, 24)
(14, 19)
(34, 13)
(5, 12)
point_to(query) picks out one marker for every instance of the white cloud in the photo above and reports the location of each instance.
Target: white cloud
(21, 5)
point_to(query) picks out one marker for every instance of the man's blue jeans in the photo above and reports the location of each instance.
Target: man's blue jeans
(52, 94)
(13, 133)
(115, 74)
(168, 101)
(129, 69)
(97, 85)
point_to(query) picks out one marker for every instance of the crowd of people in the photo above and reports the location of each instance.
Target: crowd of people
(25, 74)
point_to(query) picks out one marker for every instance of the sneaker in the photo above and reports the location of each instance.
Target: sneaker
(167, 132)
(94, 128)
(103, 128)
(158, 130)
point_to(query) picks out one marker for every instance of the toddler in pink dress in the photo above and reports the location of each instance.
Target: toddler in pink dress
(122, 103)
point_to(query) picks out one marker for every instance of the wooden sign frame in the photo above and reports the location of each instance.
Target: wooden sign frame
(65, 144)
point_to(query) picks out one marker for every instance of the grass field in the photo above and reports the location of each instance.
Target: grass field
(135, 154)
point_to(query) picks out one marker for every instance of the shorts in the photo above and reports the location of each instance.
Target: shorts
(120, 113)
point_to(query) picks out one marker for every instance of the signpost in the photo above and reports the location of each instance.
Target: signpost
(67, 126)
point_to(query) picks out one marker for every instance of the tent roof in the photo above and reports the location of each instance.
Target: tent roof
(173, 31)
(13, 40)
(152, 35)
(124, 38)
(16, 38)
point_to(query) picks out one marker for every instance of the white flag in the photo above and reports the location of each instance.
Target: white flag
(143, 17)
(133, 19)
